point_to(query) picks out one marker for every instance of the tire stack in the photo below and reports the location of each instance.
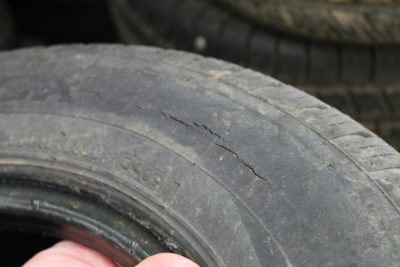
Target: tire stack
(135, 150)
(346, 54)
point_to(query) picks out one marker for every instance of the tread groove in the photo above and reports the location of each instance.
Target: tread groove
(339, 54)
(307, 65)
(246, 54)
(386, 104)
(354, 108)
(275, 55)
(372, 70)
(223, 24)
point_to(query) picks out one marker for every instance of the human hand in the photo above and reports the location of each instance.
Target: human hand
(70, 254)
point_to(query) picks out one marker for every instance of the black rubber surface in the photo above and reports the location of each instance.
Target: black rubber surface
(225, 165)
(6, 27)
(26, 244)
(336, 73)
(61, 21)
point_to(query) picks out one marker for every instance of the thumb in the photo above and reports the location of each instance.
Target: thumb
(67, 254)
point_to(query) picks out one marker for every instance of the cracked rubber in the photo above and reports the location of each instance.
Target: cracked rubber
(229, 166)
(360, 80)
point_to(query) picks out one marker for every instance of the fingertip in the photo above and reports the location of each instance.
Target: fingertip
(167, 260)
(68, 253)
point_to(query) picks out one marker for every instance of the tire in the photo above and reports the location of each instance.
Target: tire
(137, 150)
(373, 22)
(204, 27)
(6, 27)
(362, 81)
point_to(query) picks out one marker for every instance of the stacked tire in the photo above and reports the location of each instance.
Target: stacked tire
(347, 54)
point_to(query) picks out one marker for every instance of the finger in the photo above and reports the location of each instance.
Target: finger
(67, 254)
(167, 260)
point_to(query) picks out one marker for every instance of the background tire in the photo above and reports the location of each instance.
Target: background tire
(373, 22)
(360, 80)
(6, 27)
(146, 150)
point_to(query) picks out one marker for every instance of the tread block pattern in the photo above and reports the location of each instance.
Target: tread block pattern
(393, 97)
(378, 162)
(390, 130)
(387, 65)
(233, 41)
(389, 181)
(351, 143)
(291, 60)
(337, 127)
(370, 152)
(340, 127)
(377, 108)
(245, 79)
(368, 102)
(335, 96)
(323, 64)
(262, 51)
(356, 65)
